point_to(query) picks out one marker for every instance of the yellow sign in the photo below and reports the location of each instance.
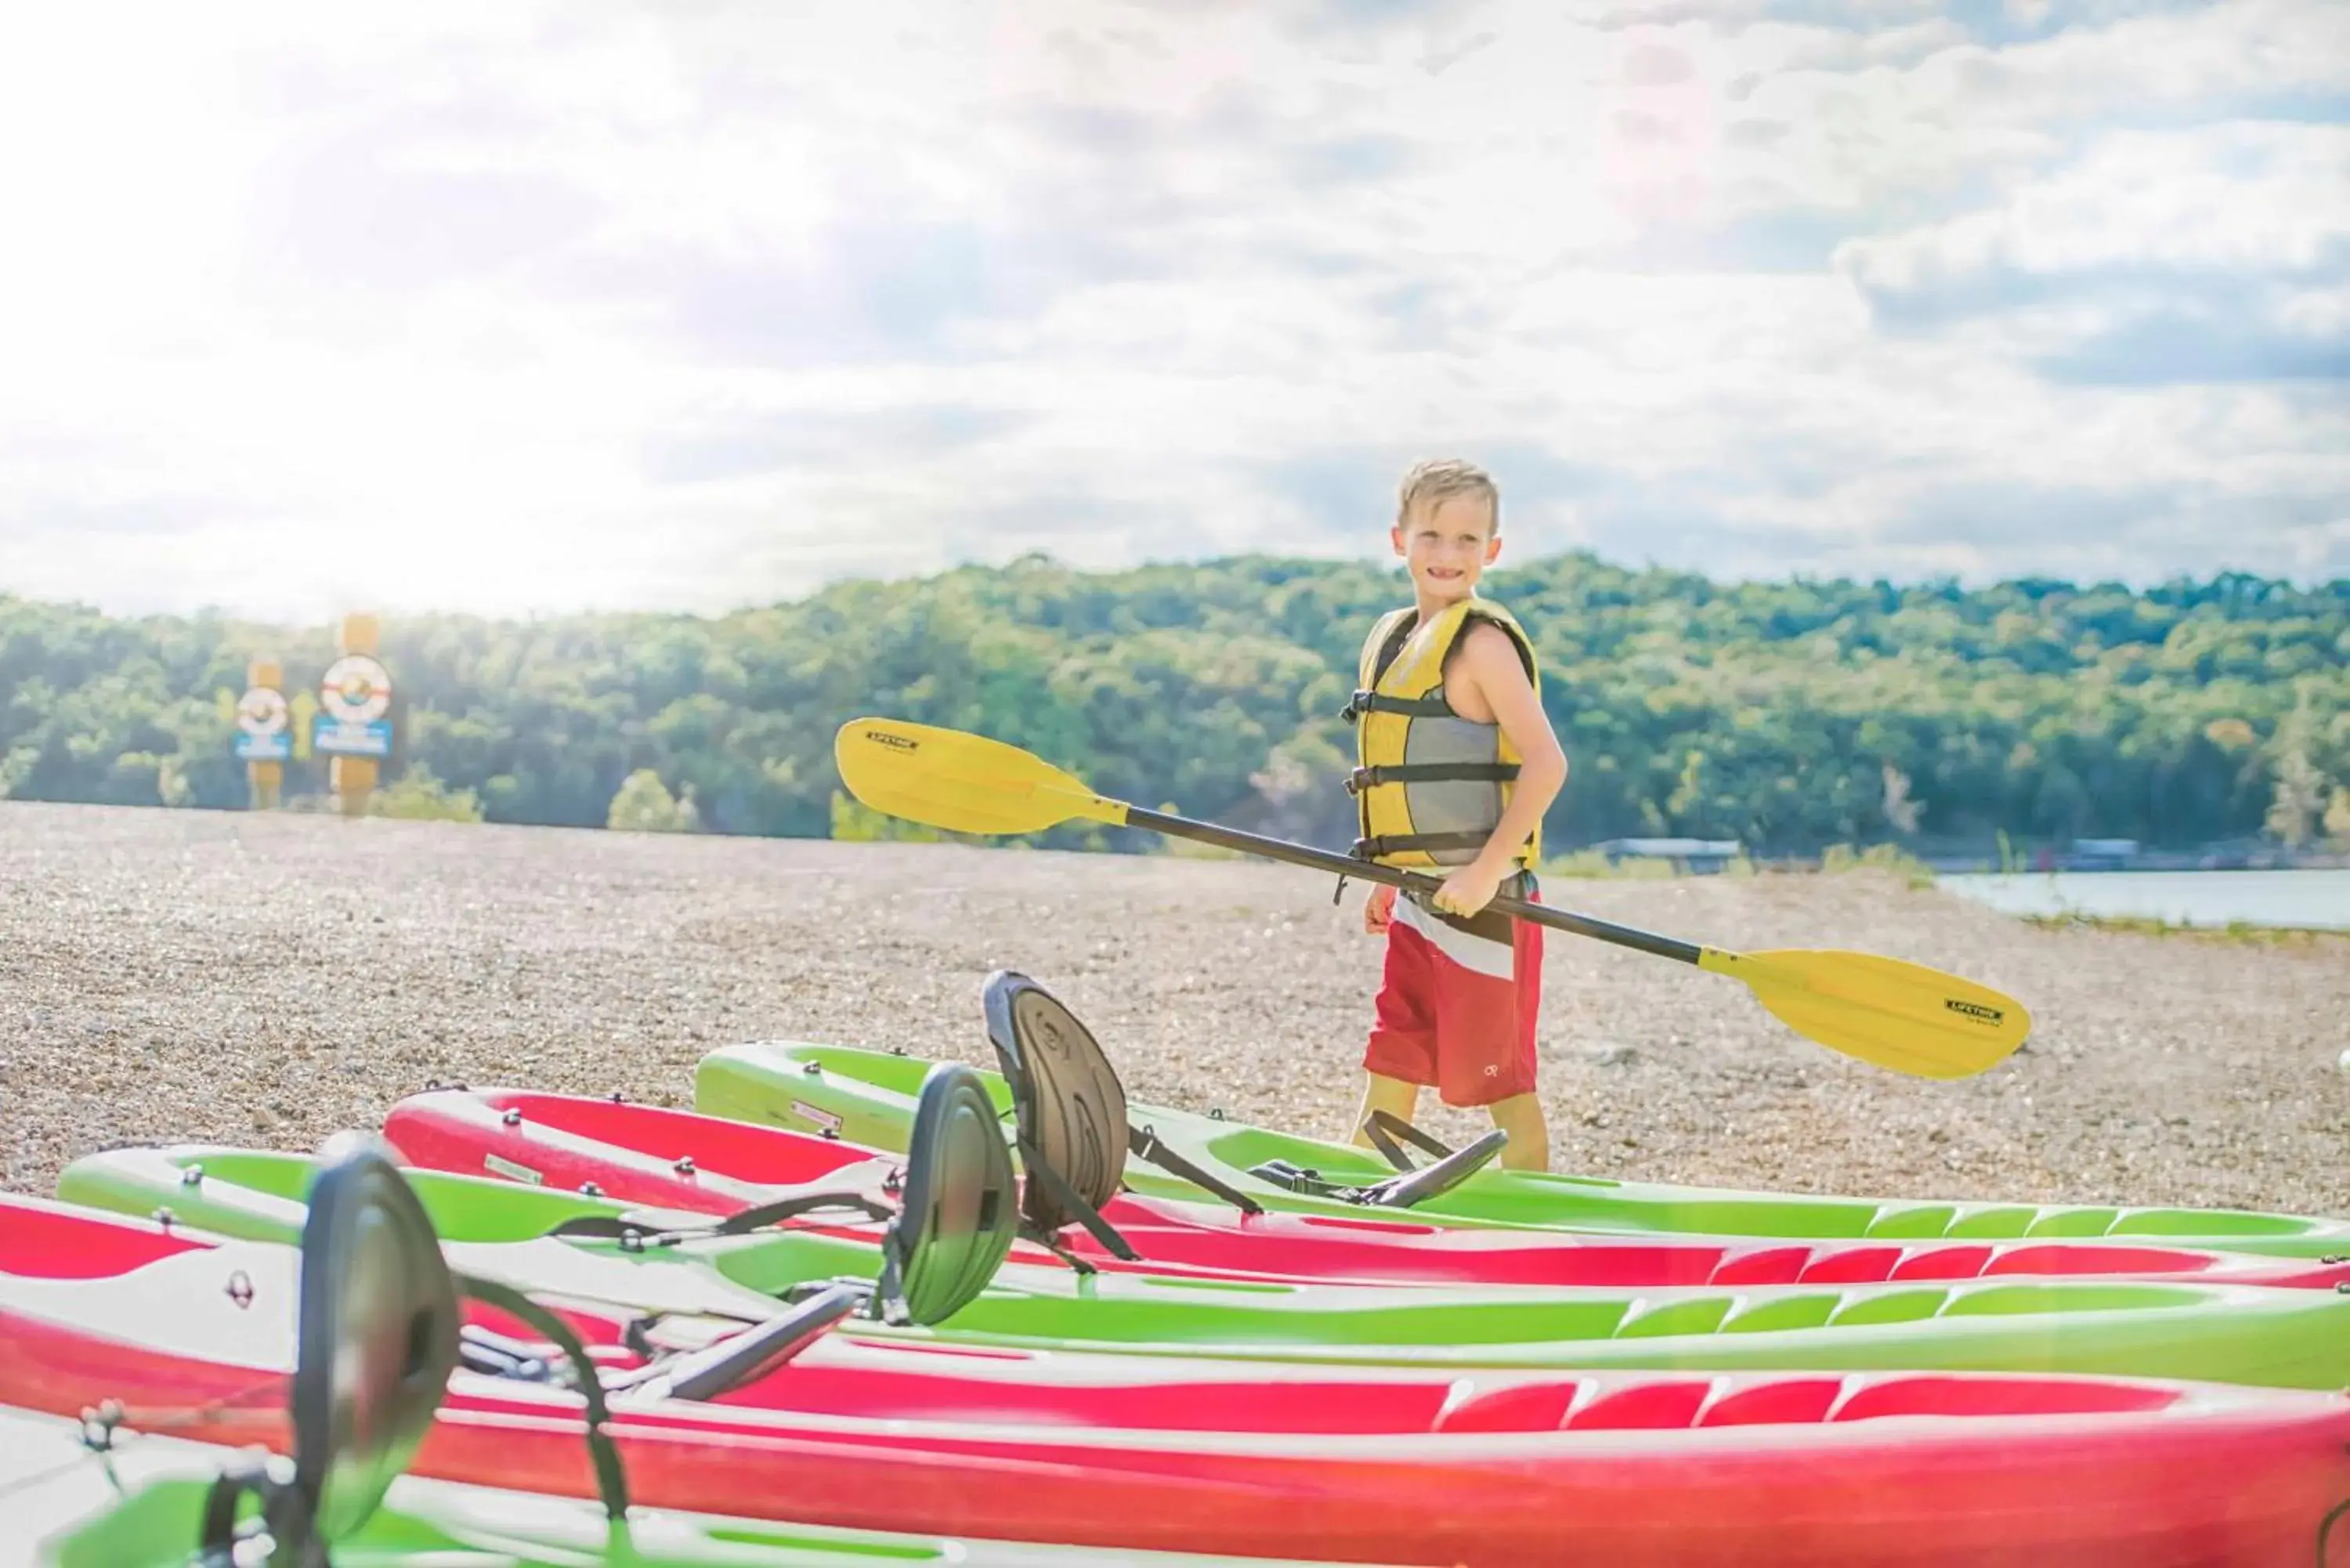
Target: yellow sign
(264, 741)
(354, 697)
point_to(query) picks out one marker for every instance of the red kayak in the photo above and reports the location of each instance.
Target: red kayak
(1407, 1466)
(681, 1160)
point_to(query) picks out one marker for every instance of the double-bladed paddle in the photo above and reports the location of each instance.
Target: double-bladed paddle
(1896, 1014)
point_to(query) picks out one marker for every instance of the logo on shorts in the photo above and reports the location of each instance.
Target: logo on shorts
(1492, 1072)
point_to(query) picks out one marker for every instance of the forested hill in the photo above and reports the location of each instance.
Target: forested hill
(1788, 716)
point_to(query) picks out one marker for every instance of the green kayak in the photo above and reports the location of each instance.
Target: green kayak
(868, 1097)
(677, 1267)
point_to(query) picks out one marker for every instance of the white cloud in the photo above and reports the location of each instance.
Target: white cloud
(2261, 199)
(528, 306)
(2222, 253)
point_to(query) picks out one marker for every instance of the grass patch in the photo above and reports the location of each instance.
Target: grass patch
(1836, 860)
(1192, 849)
(2235, 933)
(1592, 864)
(1888, 858)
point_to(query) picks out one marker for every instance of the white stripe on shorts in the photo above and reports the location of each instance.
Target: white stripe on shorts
(1498, 960)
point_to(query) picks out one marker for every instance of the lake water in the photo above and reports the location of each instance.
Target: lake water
(2182, 897)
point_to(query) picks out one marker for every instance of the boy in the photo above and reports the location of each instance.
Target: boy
(1457, 764)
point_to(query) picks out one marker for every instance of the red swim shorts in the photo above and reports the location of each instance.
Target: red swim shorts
(1459, 1001)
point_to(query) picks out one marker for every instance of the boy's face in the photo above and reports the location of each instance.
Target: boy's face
(1447, 546)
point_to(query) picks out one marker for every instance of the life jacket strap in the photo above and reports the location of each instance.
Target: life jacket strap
(1398, 843)
(1362, 779)
(1366, 702)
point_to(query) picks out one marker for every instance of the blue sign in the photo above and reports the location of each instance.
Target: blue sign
(354, 699)
(340, 737)
(262, 735)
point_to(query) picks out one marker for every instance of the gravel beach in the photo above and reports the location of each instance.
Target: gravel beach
(266, 980)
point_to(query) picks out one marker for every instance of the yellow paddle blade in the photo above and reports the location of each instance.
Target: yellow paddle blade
(961, 782)
(1900, 1015)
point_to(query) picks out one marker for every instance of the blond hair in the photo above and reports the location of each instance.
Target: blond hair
(1436, 482)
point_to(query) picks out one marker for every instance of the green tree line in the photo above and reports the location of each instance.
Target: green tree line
(1788, 716)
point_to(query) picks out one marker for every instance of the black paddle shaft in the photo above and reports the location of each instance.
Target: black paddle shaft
(1395, 876)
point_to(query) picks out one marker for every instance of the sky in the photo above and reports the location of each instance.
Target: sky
(530, 307)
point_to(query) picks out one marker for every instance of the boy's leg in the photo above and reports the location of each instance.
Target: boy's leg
(1521, 1115)
(1488, 1004)
(1380, 1092)
(1399, 1057)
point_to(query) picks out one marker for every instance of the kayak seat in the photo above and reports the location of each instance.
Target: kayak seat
(376, 1339)
(958, 1211)
(1069, 1106)
(1070, 1121)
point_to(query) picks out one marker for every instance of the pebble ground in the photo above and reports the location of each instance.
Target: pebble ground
(185, 976)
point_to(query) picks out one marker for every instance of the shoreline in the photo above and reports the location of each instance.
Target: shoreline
(265, 980)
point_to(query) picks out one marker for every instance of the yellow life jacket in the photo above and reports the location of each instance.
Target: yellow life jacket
(1430, 786)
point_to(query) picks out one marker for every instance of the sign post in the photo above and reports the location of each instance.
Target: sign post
(262, 739)
(354, 696)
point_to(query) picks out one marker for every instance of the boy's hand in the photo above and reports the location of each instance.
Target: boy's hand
(1469, 890)
(1378, 910)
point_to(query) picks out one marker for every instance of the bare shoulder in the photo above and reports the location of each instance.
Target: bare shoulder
(1484, 675)
(1484, 634)
(1491, 653)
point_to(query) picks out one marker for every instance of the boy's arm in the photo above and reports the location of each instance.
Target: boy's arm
(1490, 660)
